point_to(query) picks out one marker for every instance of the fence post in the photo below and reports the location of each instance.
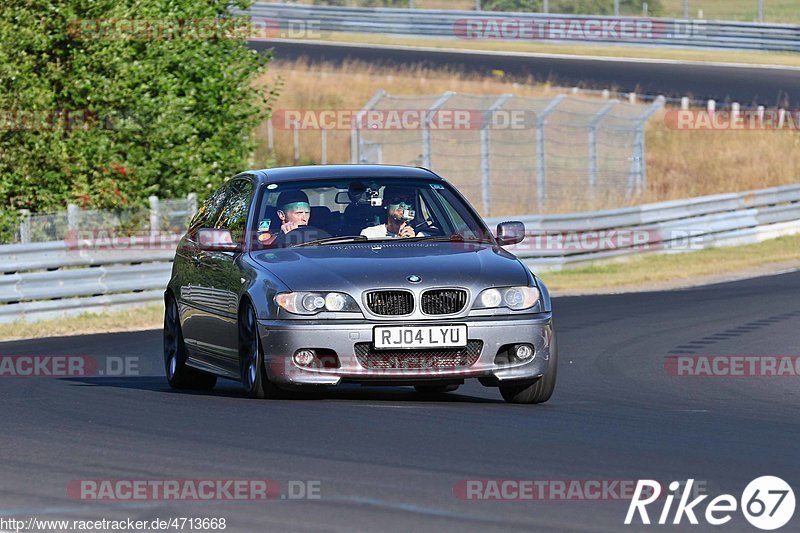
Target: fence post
(270, 137)
(478, 5)
(637, 178)
(685, 103)
(486, 169)
(761, 10)
(546, 6)
(541, 163)
(605, 110)
(155, 219)
(73, 217)
(324, 147)
(191, 203)
(356, 141)
(426, 128)
(296, 142)
(686, 9)
(616, 8)
(24, 226)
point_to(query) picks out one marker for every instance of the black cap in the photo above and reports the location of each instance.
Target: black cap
(291, 197)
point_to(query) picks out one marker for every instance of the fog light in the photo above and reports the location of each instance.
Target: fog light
(304, 357)
(523, 352)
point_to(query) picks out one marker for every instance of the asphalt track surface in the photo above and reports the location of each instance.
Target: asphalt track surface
(747, 85)
(388, 460)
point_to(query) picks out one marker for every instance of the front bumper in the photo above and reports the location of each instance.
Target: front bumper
(280, 339)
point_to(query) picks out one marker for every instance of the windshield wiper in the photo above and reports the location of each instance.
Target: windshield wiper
(343, 239)
(444, 238)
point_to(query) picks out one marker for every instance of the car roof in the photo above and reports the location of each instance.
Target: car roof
(322, 172)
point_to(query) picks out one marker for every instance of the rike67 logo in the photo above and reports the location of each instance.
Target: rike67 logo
(767, 503)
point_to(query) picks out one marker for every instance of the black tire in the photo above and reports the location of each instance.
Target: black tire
(537, 391)
(435, 389)
(179, 374)
(255, 381)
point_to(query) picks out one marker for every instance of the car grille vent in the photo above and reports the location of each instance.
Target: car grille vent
(437, 358)
(443, 301)
(390, 303)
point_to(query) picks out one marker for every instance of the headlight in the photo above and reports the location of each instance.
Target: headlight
(311, 303)
(516, 298)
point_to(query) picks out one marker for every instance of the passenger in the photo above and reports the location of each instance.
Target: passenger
(399, 212)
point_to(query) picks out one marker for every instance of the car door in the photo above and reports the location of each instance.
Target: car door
(192, 300)
(222, 280)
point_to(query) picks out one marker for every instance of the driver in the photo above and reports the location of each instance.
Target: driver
(399, 212)
(294, 212)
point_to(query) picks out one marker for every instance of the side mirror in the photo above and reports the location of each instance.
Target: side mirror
(510, 233)
(216, 240)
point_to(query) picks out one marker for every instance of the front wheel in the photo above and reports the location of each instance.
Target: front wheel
(179, 374)
(255, 381)
(538, 391)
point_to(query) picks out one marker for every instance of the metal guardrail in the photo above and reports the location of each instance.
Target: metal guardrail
(315, 20)
(45, 280)
(558, 241)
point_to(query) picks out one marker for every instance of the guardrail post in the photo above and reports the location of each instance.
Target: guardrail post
(616, 8)
(486, 169)
(541, 162)
(761, 10)
(605, 110)
(686, 9)
(73, 216)
(546, 6)
(637, 178)
(478, 6)
(426, 127)
(356, 140)
(191, 203)
(24, 226)
(155, 219)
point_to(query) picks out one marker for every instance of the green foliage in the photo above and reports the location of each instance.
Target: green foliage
(582, 7)
(101, 115)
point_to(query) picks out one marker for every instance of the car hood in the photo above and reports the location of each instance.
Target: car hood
(363, 266)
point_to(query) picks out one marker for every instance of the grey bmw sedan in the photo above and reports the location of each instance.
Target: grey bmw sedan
(301, 278)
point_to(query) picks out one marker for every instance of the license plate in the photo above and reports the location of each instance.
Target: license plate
(409, 337)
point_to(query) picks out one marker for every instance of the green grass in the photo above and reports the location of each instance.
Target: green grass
(134, 319)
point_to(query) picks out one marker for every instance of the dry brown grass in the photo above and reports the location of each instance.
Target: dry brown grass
(680, 164)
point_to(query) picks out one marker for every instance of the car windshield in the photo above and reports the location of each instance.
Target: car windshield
(319, 212)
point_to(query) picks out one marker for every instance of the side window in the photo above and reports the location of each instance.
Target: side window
(209, 212)
(237, 206)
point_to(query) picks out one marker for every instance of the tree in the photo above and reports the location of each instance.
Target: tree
(104, 102)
